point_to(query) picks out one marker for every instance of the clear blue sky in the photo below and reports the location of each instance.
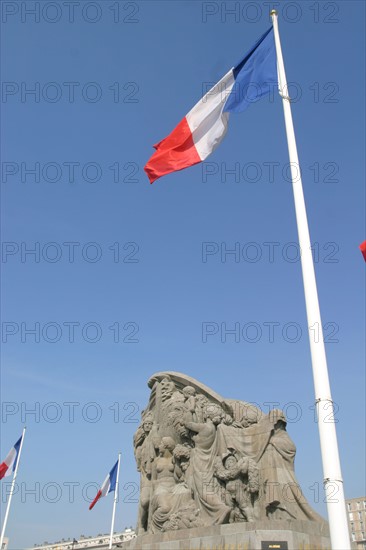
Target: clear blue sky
(105, 92)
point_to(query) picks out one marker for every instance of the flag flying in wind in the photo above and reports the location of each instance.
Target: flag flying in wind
(363, 250)
(8, 466)
(204, 127)
(109, 485)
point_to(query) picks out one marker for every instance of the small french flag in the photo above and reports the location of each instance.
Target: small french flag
(363, 250)
(8, 466)
(109, 485)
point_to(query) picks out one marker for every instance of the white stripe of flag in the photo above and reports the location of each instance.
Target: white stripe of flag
(8, 466)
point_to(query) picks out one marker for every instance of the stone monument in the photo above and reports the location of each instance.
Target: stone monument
(217, 473)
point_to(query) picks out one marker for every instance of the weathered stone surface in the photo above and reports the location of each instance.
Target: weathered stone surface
(208, 461)
(299, 535)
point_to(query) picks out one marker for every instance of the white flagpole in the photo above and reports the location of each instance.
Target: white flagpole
(114, 503)
(333, 482)
(11, 491)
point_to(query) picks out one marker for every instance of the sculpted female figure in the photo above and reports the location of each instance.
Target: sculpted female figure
(145, 456)
(200, 473)
(168, 495)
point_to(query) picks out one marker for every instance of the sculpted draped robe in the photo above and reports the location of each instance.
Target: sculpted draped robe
(274, 451)
(200, 474)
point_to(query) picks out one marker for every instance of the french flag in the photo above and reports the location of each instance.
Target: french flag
(109, 485)
(8, 466)
(204, 127)
(363, 249)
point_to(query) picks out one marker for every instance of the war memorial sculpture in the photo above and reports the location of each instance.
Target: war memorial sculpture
(217, 473)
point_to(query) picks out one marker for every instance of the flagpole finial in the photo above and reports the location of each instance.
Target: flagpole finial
(273, 12)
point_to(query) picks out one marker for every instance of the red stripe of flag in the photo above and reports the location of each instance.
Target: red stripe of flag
(3, 469)
(175, 152)
(363, 250)
(99, 494)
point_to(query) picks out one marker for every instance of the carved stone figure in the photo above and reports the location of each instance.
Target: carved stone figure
(201, 404)
(200, 473)
(181, 456)
(171, 496)
(205, 460)
(240, 477)
(184, 519)
(167, 388)
(169, 391)
(145, 455)
(190, 403)
(282, 495)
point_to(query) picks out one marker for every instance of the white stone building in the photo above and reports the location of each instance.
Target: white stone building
(99, 542)
(356, 512)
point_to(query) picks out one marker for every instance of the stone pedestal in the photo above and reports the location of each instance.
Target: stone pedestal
(258, 535)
